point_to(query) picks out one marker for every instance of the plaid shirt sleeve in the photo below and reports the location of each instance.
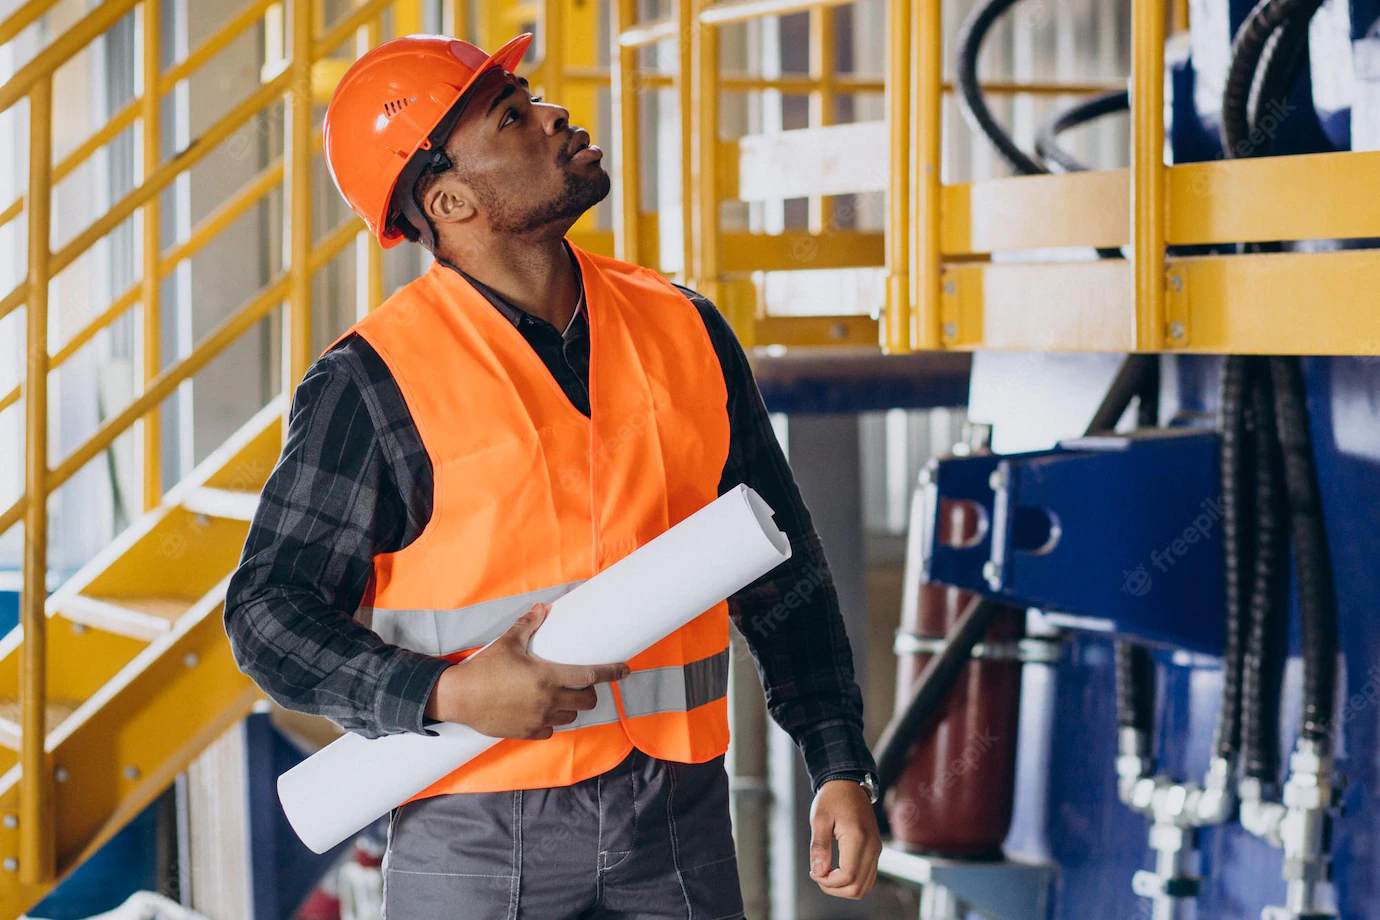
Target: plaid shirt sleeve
(332, 502)
(789, 617)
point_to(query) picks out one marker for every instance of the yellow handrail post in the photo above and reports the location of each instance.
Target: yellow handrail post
(627, 141)
(928, 137)
(459, 19)
(368, 253)
(822, 99)
(686, 45)
(36, 841)
(297, 342)
(153, 248)
(553, 50)
(1147, 171)
(704, 44)
(896, 318)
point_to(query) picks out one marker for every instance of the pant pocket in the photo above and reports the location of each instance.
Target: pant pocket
(452, 856)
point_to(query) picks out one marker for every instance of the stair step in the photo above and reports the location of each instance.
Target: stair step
(10, 718)
(137, 617)
(232, 504)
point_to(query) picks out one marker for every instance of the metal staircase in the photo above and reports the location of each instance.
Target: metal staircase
(140, 677)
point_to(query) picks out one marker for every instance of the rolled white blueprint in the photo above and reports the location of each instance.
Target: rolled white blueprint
(621, 611)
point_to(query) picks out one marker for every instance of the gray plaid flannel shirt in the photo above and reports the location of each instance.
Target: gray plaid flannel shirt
(354, 480)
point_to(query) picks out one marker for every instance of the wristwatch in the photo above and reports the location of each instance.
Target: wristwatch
(866, 780)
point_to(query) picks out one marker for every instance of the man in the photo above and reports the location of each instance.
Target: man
(456, 461)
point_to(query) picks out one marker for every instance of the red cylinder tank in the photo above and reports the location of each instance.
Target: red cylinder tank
(955, 796)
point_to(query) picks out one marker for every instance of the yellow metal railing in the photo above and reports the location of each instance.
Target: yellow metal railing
(34, 81)
(914, 87)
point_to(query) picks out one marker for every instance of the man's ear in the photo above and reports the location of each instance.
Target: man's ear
(448, 203)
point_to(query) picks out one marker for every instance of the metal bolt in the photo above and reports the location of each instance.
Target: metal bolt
(190, 659)
(950, 288)
(950, 330)
(997, 481)
(61, 775)
(11, 864)
(838, 331)
(131, 772)
(1176, 330)
(79, 628)
(11, 821)
(991, 571)
(1176, 284)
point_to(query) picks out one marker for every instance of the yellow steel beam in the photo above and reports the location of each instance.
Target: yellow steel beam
(847, 329)
(927, 138)
(705, 198)
(1278, 303)
(798, 251)
(152, 247)
(22, 18)
(165, 174)
(627, 164)
(298, 158)
(102, 17)
(1037, 212)
(896, 328)
(1147, 169)
(823, 67)
(1030, 306)
(36, 854)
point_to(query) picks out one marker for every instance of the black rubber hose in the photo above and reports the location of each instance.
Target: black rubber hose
(1247, 49)
(1135, 688)
(1047, 137)
(1233, 458)
(1312, 560)
(974, 105)
(1260, 717)
(943, 669)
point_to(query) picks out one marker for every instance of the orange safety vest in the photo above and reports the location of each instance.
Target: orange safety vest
(531, 497)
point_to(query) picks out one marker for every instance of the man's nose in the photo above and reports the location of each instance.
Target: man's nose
(555, 118)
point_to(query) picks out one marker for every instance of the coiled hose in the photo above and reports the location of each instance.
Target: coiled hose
(1247, 49)
(971, 100)
(1090, 109)
(1312, 560)
(1233, 460)
(1260, 725)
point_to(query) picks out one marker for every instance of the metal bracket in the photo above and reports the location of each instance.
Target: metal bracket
(1004, 890)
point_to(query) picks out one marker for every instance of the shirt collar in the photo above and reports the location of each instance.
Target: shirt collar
(515, 314)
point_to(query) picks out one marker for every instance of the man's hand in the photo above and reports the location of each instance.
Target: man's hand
(842, 812)
(504, 691)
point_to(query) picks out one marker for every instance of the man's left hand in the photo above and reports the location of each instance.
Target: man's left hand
(842, 812)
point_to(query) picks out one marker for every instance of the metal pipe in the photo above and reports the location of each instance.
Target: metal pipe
(153, 248)
(298, 199)
(627, 139)
(929, 158)
(1147, 171)
(36, 830)
(896, 313)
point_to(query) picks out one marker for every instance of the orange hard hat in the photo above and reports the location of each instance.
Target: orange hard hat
(389, 105)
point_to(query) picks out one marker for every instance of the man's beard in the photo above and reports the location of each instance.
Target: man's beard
(579, 195)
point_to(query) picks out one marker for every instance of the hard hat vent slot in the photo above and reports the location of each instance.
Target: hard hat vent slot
(394, 106)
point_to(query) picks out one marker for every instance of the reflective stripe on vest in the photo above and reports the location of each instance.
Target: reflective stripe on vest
(645, 692)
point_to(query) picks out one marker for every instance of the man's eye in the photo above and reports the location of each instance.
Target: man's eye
(509, 116)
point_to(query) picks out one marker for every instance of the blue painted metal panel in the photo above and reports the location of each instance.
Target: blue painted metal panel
(1117, 534)
(128, 863)
(1077, 818)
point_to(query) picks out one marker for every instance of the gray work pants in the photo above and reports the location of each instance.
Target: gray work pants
(648, 840)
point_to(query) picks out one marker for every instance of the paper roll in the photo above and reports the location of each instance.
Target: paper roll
(621, 611)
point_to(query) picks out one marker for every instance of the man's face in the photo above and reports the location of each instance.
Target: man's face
(523, 165)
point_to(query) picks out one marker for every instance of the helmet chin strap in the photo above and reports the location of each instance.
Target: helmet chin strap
(430, 158)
